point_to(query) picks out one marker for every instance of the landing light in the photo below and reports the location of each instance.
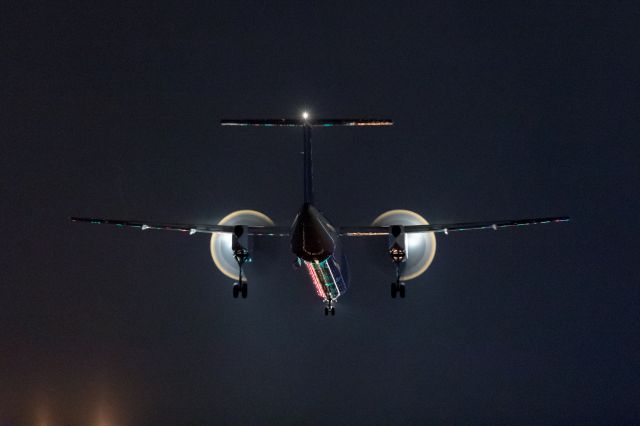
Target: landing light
(305, 115)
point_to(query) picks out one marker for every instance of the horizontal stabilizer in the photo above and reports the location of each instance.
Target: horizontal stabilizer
(314, 122)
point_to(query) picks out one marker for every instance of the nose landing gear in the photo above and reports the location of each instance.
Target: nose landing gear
(329, 308)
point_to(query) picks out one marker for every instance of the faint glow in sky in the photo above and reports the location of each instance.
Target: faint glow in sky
(43, 417)
(105, 414)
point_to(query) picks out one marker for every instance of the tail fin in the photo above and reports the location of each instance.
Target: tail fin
(308, 165)
(306, 124)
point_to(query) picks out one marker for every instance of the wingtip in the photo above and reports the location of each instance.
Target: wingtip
(561, 219)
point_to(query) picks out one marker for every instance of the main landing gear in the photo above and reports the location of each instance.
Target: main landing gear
(398, 255)
(329, 308)
(240, 288)
(398, 286)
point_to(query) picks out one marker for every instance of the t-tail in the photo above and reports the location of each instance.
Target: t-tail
(314, 241)
(307, 123)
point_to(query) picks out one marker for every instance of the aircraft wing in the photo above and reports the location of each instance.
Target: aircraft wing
(271, 231)
(368, 231)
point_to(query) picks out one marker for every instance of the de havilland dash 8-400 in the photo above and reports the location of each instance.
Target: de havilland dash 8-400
(315, 242)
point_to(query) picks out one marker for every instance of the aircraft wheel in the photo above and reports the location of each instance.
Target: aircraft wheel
(236, 290)
(326, 311)
(333, 311)
(394, 290)
(244, 290)
(402, 290)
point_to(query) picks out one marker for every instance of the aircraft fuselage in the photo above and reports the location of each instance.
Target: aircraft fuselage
(316, 244)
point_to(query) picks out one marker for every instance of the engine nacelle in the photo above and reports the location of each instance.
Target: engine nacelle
(226, 247)
(415, 250)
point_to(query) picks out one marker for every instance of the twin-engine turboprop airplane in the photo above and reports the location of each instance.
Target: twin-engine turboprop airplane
(411, 242)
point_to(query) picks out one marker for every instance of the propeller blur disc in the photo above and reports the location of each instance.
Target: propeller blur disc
(421, 247)
(220, 246)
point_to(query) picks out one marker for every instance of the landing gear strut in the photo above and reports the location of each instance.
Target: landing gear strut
(397, 286)
(239, 244)
(329, 307)
(240, 287)
(398, 255)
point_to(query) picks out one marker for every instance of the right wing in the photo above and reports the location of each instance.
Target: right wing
(271, 231)
(371, 231)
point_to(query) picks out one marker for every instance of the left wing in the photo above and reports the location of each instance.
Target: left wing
(271, 231)
(369, 231)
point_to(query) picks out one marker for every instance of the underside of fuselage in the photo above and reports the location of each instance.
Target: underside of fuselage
(316, 243)
(329, 277)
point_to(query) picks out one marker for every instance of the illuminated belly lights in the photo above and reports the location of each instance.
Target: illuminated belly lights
(327, 278)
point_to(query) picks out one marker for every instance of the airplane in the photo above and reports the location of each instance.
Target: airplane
(315, 242)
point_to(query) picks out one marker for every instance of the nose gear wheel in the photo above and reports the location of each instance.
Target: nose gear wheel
(329, 308)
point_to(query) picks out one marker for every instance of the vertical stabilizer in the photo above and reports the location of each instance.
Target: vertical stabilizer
(307, 123)
(308, 165)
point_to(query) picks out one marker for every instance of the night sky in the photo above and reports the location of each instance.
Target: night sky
(501, 111)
